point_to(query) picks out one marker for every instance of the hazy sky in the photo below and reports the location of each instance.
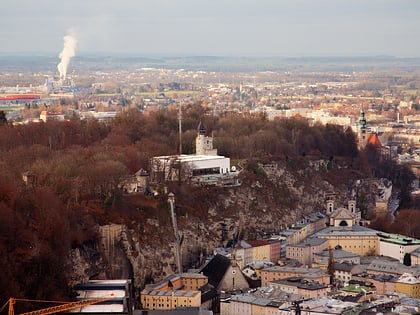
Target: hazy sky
(214, 27)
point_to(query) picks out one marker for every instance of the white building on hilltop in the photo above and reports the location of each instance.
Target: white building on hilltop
(204, 167)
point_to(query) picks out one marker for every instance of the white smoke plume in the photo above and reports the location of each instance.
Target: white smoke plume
(66, 54)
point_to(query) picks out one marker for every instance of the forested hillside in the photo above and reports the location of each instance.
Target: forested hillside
(78, 165)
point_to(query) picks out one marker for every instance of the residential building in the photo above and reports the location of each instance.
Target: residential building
(409, 285)
(282, 272)
(384, 284)
(260, 301)
(320, 260)
(319, 307)
(305, 250)
(344, 272)
(408, 305)
(169, 300)
(50, 116)
(177, 311)
(174, 291)
(415, 257)
(306, 289)
(247, 252)
(396, 246)
(356, 239)
(390, 266)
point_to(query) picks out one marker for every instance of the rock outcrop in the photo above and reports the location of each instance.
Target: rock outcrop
(273, 198)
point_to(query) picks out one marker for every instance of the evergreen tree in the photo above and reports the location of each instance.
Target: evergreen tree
(3, 119)
(331, 265)
(407, 259)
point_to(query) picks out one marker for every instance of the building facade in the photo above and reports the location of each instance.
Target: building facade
(282, 272)
(396, 246)
(409, 285)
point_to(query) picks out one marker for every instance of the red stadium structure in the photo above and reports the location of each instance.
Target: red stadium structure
(19, 97)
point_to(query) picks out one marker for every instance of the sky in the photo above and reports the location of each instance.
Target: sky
(282, 28)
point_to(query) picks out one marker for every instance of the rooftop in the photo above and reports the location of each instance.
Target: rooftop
(347, 230)
(293, 269)
(398, 239)
(300, 283)
(170, 293)
(310, 242)
(191, 158)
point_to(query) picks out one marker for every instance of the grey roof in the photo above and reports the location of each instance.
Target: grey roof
(243, 298)
(346, 230)
(302, 270)
(409, 301)
(416, 252)
(262, 301)
(384, 266)
(345, 266)
(313, 241)
(215, 269)
(337, 253)
(300, 283)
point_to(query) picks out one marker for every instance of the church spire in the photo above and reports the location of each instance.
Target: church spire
(201, 129)
(362, 131)
(362, 120)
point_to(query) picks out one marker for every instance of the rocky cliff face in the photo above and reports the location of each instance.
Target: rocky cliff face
(272, 196)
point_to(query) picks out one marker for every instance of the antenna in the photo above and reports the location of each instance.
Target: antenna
(180, 128)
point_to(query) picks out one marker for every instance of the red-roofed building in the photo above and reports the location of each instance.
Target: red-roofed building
(364, 137)
(373, 139)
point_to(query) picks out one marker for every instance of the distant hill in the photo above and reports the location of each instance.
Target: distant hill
(47, 62)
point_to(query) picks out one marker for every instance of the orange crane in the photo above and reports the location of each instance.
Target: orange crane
(54, 309)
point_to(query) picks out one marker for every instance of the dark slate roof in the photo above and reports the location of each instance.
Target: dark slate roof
(345, 266)
(215, 269)
(208, 293)
(201, 129)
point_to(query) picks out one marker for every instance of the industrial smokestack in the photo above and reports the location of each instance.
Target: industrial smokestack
(66, 54)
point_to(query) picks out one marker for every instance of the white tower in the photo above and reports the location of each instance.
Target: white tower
(204, 144)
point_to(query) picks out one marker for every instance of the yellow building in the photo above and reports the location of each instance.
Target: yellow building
(258, 309)
(409, 285)
(169, 300)
(355, 239)
(261, 252)
(193, 281)
(174, 291)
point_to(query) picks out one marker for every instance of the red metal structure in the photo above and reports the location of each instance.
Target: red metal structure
(18, 97)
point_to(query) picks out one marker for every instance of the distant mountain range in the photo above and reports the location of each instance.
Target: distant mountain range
(47, 62)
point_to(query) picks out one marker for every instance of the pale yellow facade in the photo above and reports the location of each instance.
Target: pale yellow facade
(362, 245)
(258, 309)
(193, 283)
(261, 252)
(169, 300)
(409, 285)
